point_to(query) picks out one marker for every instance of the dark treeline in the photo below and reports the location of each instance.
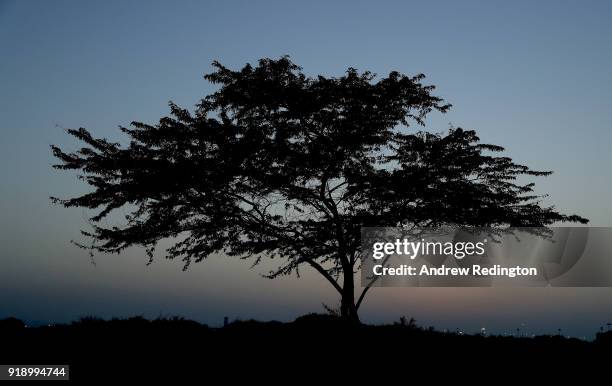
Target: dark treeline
(141, 348)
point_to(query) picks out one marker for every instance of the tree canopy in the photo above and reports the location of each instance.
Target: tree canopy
(279, 164)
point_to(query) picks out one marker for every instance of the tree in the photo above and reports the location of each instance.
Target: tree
(278, 164)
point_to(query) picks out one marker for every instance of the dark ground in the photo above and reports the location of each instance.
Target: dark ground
(316, 347)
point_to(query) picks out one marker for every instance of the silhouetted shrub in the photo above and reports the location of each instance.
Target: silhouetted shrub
(11, 324)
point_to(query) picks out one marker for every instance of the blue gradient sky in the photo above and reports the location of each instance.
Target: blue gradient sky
(531, 76)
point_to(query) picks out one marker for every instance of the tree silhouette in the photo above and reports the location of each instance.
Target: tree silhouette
(279, 164)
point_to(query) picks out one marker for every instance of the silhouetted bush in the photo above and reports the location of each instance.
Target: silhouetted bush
(10, 324)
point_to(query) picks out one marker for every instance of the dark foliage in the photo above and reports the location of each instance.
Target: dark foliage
(278, 164)
(312, 347)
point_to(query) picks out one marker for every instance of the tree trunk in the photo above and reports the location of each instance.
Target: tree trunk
(348, 309)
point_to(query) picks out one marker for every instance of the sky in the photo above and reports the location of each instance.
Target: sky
(533, 77)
